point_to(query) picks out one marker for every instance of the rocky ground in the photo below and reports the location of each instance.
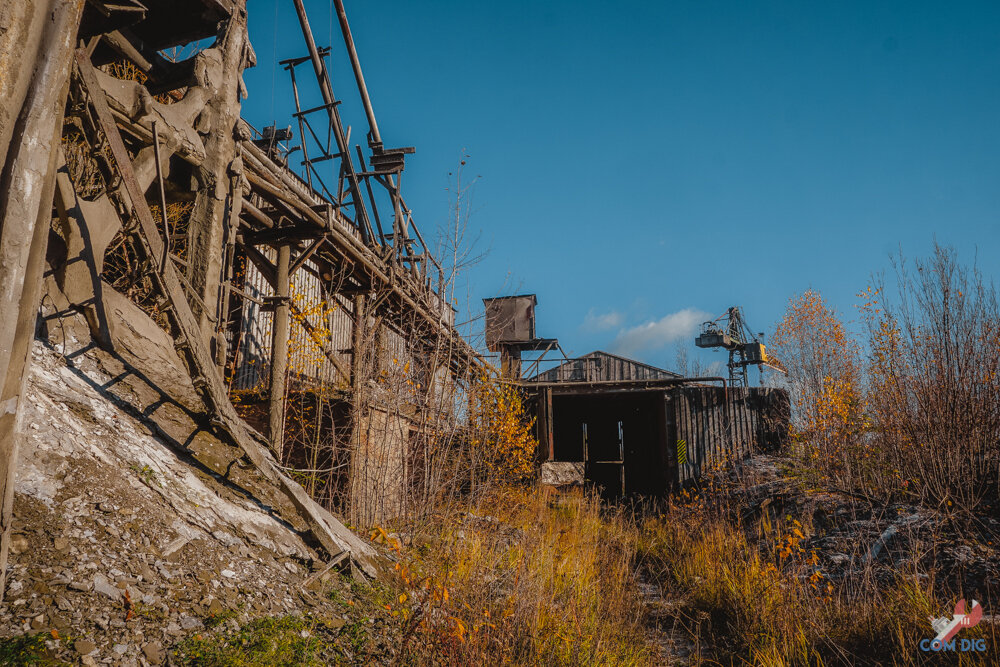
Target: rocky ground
(852, 534)
(672, 639)
(123, 549)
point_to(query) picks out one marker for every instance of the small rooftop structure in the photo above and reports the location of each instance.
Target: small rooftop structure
(510, 319)
(510, 330)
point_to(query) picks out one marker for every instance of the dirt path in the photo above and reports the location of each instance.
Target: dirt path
(664, 629)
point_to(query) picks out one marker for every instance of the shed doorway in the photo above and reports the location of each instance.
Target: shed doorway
(619, 437)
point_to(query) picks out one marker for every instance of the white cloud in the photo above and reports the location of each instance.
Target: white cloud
(714, 369)
(603, 322)
(679, 326)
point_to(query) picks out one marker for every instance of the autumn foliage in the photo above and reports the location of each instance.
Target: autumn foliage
(532, 578)
(824, 368)
(909, 404)
(501, 446)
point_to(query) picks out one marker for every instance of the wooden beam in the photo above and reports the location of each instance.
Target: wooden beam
(28, 171)
(279, 354)
(191, 344)
(263, 264)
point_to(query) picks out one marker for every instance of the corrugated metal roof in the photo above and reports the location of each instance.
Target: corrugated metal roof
(603, 366)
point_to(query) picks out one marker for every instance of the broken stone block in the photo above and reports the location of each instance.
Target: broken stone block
(562, 473)
(84, 646)
(18, 544)
(105, 587)
(153, 652)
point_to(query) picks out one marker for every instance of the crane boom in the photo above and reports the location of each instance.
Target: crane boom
(744, 346)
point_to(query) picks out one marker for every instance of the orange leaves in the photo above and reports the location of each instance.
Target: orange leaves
(789, 545)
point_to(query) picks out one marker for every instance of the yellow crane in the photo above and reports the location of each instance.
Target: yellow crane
(730, 332)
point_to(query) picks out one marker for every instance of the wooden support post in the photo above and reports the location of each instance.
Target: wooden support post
(543, 425)
(27, 172)
(279, 352)
(360, 367)
(510, 363)
(229, 267)
(550, 440)
(357, 342)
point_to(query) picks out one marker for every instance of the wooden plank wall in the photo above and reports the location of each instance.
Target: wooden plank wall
(713, 426)
(253, 342)
(602, 367)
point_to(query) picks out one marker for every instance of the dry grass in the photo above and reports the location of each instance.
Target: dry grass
(527, 577)
(767, 601)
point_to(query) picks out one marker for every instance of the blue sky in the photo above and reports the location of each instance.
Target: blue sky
(643, 163)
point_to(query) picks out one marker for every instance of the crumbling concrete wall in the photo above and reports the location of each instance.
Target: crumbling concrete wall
(379, 478)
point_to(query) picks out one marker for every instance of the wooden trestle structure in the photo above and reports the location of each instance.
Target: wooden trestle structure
(172, 133)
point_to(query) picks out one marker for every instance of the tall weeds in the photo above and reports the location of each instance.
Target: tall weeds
(531, 578)
(934, 382)
(758, 596)
(910, 405)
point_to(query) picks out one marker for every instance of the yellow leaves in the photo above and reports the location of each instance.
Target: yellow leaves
(126, 71)
(789, 545)
(501, 440)
(824, 361)
(458, 628)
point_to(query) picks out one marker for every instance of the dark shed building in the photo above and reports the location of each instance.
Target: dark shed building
(626, 426)
(631, 428)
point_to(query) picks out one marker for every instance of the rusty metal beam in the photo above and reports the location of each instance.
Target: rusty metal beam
(343, 146)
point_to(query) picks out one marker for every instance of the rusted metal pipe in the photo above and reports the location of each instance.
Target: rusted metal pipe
(343, 146)
(374, 136)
